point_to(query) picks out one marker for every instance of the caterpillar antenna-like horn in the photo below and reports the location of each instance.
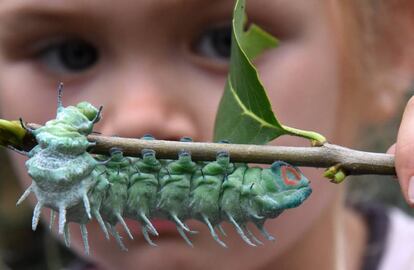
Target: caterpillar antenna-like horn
(59, 97)
(25, 194)
(36, 215)
(66, 235)
(101, 223)
(84, 233)
(122, 221)
(62, 219)
(87, 205)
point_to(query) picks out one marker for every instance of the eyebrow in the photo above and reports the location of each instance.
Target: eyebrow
(27, 7)
(33, 9)
(65, 5)
(30, 15)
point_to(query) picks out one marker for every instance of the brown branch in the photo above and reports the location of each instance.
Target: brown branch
(352, 162)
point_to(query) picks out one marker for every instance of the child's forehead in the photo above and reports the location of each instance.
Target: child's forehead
(28, 17)
(24, 12)
(68, 5)
(12, 8)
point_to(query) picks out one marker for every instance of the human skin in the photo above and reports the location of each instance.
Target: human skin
(157, 73)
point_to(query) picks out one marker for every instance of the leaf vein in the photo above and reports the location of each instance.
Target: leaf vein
(246, 112)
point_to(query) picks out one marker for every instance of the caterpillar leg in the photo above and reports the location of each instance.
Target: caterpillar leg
(25, 194)
(182, 233)
(122, 221)
(180, 223)
(66, 235)
(239, 230)
(101, 223)
(52, 218)
(221, 230)
(62, 219)
(265, 233)
(149, 224)
(36, 215)
(118, 238)
(252, 236)
(213, 232)
(144, 230)
(84, 233)
(87, 205)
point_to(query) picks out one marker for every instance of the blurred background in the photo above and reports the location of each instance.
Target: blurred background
(379, 189)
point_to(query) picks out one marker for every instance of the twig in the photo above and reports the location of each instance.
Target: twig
(352, 162)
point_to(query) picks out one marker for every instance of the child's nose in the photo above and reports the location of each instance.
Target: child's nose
(135, 113)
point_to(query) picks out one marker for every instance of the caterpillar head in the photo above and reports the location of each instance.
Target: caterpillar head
(283, 186)
(287, 177)
(89, 111)
(81, 117)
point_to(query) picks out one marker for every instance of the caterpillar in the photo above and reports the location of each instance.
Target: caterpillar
(81, 186)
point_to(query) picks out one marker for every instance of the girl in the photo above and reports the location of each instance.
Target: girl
(159, 67)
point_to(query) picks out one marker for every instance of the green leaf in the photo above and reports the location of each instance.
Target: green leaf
(245, 114)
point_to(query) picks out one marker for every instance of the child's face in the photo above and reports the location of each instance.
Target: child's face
(159, 67)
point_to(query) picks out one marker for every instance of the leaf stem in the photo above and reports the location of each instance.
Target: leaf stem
(305, 134)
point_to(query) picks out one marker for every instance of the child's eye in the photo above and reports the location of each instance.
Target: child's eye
(69, 56)
(215, 43)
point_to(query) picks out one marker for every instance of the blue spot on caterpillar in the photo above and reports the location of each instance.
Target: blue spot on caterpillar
(81, 186)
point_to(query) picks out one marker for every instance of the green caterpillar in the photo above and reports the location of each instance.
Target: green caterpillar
(80, 186)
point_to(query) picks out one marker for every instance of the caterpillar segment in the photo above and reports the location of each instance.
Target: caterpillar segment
(174, 192)
(117, 174)
(81, 187)
(142, 201)
(206, 192)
